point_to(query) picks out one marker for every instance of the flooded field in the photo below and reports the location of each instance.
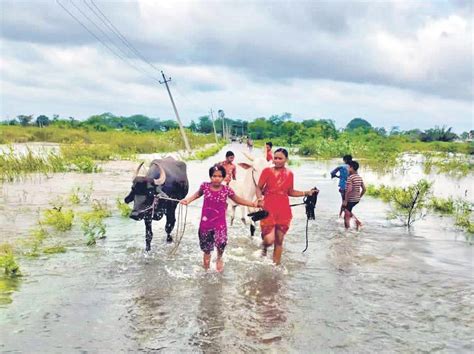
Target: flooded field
(383, 289)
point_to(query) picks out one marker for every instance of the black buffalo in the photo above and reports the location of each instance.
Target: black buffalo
(166, 178)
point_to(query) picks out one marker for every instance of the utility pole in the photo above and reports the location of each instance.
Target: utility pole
(221, 114)
(214, 126)
(183, 133)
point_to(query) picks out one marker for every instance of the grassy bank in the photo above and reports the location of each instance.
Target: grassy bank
(80, 148)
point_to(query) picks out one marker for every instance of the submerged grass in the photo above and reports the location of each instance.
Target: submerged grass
(8, 262)
(123, 208)
(92, 222)
(58, 218)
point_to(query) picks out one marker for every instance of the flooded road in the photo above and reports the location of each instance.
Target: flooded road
(381, 289)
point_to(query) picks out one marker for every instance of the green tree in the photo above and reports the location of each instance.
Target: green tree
(24, 119)
(358, 123)
(42, 121)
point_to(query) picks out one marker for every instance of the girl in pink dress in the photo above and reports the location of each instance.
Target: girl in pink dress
(213, 226)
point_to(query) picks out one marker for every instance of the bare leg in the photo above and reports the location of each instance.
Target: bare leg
(268, 240)
(358, 223)
(347, 218)
(220, 261)
(206, 260)
(278, 248)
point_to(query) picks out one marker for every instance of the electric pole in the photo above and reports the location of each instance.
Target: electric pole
(214, 126)
(221, 114)
(183, 133)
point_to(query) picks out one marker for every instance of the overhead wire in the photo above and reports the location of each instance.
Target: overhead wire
(101, 41)
(119, 35)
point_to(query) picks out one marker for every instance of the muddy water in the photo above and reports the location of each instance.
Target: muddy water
(380, 289)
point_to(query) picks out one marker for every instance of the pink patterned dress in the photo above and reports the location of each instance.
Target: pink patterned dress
(213, 226)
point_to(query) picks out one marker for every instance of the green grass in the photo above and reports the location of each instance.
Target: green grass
(206, 153)
(58, 218)
(123, 208)
(92, 222)
(8, 262)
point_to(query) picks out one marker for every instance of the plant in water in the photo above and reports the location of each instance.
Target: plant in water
(409, 203)
(59, 218)
(8, 262)
(79, 195)
(92, 222)
(85, 164)
(442, 205)
(123, 208)
(54, 249)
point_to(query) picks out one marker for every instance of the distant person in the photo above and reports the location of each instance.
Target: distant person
(355, 189)
(268, 149)
(343, 174)
(213, 226)
(230, 168)
(250, 144)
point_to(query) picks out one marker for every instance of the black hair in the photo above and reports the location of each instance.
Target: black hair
(354, 164)
(269, 143)
(283, 151)
(347, 158)
(229, 153)
(217, 168)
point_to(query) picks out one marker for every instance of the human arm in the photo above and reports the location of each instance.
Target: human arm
(234, 173)
(189, 199)
(363, 189)
(295, 193)
(334, 172)
(243, 201)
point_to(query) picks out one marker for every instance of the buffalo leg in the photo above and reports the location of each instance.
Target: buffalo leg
(252, 229)
(149, 231)
(170, 221)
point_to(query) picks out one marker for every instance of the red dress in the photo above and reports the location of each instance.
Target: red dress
(269, 155)
(275, 190)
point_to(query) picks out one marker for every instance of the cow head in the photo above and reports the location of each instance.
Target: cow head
(143, 191)
(253, 169)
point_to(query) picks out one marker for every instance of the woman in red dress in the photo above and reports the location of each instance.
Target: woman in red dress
(276, 184)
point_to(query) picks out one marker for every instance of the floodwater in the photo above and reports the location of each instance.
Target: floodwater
(383, 289)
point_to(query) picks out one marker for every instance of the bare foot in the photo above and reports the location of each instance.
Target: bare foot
(219, 265)
(358, 225)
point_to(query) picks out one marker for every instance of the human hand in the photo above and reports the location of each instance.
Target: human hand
(184, 202)
(344, 203)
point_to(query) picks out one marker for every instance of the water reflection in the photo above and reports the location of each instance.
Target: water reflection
(210, 315)
(264, 294)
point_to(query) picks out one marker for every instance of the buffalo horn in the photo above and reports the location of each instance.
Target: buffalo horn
(161, 180)
(138, 169)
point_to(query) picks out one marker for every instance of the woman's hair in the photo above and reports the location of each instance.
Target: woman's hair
(229, 153)
(217, 168)
(283, 151)
(269, 143)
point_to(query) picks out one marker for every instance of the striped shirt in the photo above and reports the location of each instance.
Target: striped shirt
(354, 184)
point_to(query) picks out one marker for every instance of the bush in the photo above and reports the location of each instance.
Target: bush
(8, 262)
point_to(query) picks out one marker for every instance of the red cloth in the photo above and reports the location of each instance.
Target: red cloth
(269, 155)
(275, 190)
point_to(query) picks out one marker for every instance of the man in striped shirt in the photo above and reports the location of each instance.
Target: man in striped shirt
(355, 189)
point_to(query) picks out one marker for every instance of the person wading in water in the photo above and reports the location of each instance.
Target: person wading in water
(276, 185)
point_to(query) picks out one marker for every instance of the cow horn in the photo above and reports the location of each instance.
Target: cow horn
(247, 156)
(138, 169)
(161, 180)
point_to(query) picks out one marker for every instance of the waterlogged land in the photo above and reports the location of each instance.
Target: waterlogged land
(385, 288)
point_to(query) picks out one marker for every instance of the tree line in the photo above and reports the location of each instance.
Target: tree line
(274, 127)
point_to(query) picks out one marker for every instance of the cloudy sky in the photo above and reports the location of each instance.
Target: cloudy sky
(394, 63)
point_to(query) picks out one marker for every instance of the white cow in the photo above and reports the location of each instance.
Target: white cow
(246, 185)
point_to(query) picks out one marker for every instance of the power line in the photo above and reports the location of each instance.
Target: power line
(105, 34)
(121, 36)
(102, 42)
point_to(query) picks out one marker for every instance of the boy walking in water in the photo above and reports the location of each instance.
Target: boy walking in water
(343, 174)
(355, 189)
(229, 167)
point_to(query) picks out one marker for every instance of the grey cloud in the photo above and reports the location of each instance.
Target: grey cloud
(275, 41)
